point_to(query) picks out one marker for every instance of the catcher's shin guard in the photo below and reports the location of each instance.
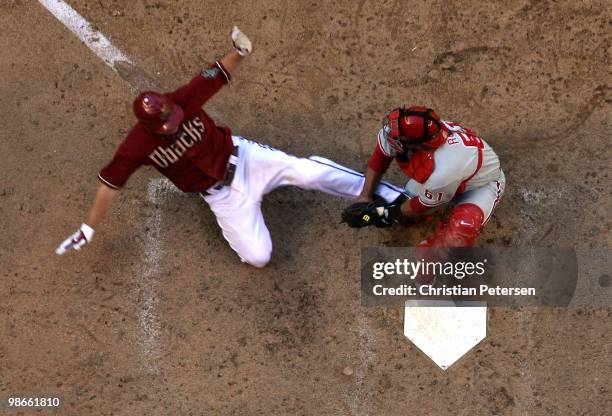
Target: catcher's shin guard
(461, 230)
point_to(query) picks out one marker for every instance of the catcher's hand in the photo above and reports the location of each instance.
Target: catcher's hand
(241, 42)
(363, 214)
(77, 240)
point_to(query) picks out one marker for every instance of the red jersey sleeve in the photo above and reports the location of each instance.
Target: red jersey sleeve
(379, 161)
(118, 171)
(202, 87)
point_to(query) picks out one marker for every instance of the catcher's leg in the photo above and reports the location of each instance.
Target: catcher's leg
(461, 230)
(242, 224)
(486, 197)
(471, 212)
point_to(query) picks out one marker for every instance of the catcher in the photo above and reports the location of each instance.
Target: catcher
(447, 165)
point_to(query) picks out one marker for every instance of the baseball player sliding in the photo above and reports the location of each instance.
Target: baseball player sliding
(231, 173)
(446, 164)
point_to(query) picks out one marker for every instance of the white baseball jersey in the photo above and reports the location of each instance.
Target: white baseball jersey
(464, 163)
(464, 160)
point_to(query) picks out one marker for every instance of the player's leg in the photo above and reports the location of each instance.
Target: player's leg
(242, 224)
(270, 168)
(333, 178)
(470, 213)
(486, 197)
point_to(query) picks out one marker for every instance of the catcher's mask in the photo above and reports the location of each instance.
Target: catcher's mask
(416, 125)
(158, 113)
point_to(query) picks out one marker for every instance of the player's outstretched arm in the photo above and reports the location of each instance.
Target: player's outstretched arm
(104, 199)
(242, 48)
(377, 166)
(372, 179)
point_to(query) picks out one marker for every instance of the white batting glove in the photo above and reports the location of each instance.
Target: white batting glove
(241, 43)
(76, 240)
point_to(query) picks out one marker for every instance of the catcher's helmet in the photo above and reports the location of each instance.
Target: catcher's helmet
(157, 112)
(419, 124)
(414, 125)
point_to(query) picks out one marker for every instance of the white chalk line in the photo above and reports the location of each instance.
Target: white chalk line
(527, 403)
(359, 401)
(148, 277)
(94, 40)
(147, 280)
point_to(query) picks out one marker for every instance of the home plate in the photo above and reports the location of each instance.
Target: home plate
(444, 331)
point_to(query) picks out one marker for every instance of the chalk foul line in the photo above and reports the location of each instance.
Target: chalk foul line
(100, 45)
(147, 277)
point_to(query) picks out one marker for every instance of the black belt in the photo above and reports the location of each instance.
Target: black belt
(230, 171)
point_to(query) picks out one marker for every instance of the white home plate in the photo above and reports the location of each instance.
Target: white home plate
(445, 333)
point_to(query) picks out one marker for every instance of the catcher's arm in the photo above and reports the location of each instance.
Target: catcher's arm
(372, 179)
(104, 199)
(399, 210)
(377, 166)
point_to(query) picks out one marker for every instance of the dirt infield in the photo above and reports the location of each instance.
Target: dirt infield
(159, 317)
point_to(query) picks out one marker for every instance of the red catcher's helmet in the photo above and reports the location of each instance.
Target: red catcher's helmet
(419, 124)
(414, 125)
(157, 112)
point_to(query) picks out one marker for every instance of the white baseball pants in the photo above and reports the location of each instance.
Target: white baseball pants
(259, 170)
(486, 197)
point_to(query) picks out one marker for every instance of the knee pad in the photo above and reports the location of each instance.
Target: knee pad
(462, 228)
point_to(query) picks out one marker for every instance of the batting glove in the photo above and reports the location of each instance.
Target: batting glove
(241, 43)
(76, 240)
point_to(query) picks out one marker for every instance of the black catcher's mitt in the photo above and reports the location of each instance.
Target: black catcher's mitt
(363, 214)
(377, 213)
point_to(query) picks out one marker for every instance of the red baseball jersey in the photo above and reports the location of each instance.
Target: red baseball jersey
(196, 157)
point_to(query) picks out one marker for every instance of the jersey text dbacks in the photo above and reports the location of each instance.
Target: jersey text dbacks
(193, 131)
(193, 159)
